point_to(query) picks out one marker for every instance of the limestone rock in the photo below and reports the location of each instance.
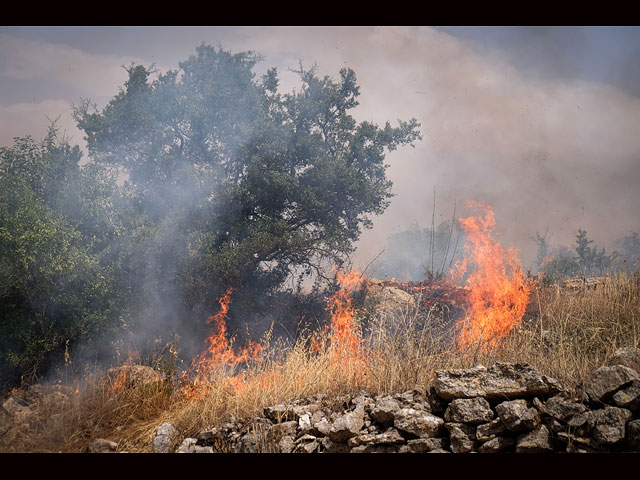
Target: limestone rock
(166, 434)
(279, 413)
(496, 444)
(502, 380)
(563, 409)
(384, 410)
(188, 445)
(633, 433)
(418, 422)
(606, 380)
(347, 425)
(306, 444)
(388, 437)
(608, 425)
(462, 437)
(329, 446)
(286, 444)
(536, 441)
(517, 416)
(628, 397)
(469, 410)
(487, 431)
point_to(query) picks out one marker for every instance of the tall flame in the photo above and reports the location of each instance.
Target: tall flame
(220, 355)
(498, 290)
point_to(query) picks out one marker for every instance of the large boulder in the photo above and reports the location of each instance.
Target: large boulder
(469, 410)
(607, 380)
(517, 416)
(536, 441)
(166, 434)
(501, 381)
(347, 425)
(418, 422)
(628, 397)
(608, 425)
(390, 300)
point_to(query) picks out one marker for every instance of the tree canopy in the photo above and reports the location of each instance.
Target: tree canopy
(200, 179)
(260, 183)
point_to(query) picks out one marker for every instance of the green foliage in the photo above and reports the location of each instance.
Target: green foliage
(57, 279)
(255, 183)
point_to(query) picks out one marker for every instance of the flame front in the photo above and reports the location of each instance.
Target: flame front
(220, 356)
(498, 291)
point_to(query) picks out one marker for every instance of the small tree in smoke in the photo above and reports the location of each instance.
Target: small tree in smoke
(238, 184)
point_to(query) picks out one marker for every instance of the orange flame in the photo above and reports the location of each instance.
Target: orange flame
(219, 355)
(344, 336)
(498, 291)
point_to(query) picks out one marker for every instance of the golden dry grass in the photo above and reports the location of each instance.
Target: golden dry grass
(565, 334)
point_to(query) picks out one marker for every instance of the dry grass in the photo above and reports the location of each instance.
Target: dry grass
(565, 334)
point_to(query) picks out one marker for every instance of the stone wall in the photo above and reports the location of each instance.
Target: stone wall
(503, 408)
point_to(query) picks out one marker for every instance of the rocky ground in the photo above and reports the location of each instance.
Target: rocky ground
(503, 408)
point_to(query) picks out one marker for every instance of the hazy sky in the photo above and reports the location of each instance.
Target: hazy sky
(541, 123)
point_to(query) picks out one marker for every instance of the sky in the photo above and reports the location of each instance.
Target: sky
(542, 123)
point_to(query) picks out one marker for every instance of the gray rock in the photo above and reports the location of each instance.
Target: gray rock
(517, 416)
(633, 434)
(101, 445)
(384, 410)
(279, 413)
(165, 436)
(323, 426)
(286, 444)
(608, 425)
(605, 381)
(375, 449)
(329, 446)
(487, 431)
(388, 437)
(418, 422)
(496, 444)
(628, 397)
(405, 398)
(188, 445)
(347, 425)
(462, 437)
(423, 445)
(306, 444)
(502, 380)
(304, 423)
(439, 450)
(562, 409)
(247, 443)
(469, 410)
(285, 428)
(537, 441)
(627, 356)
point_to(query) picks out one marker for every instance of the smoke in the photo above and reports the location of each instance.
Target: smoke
(521, 119)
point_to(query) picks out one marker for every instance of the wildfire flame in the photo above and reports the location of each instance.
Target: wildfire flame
(220, 354)
(343, 333)
(498, 291)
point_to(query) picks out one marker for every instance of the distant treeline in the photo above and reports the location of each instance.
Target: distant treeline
(426, 253)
